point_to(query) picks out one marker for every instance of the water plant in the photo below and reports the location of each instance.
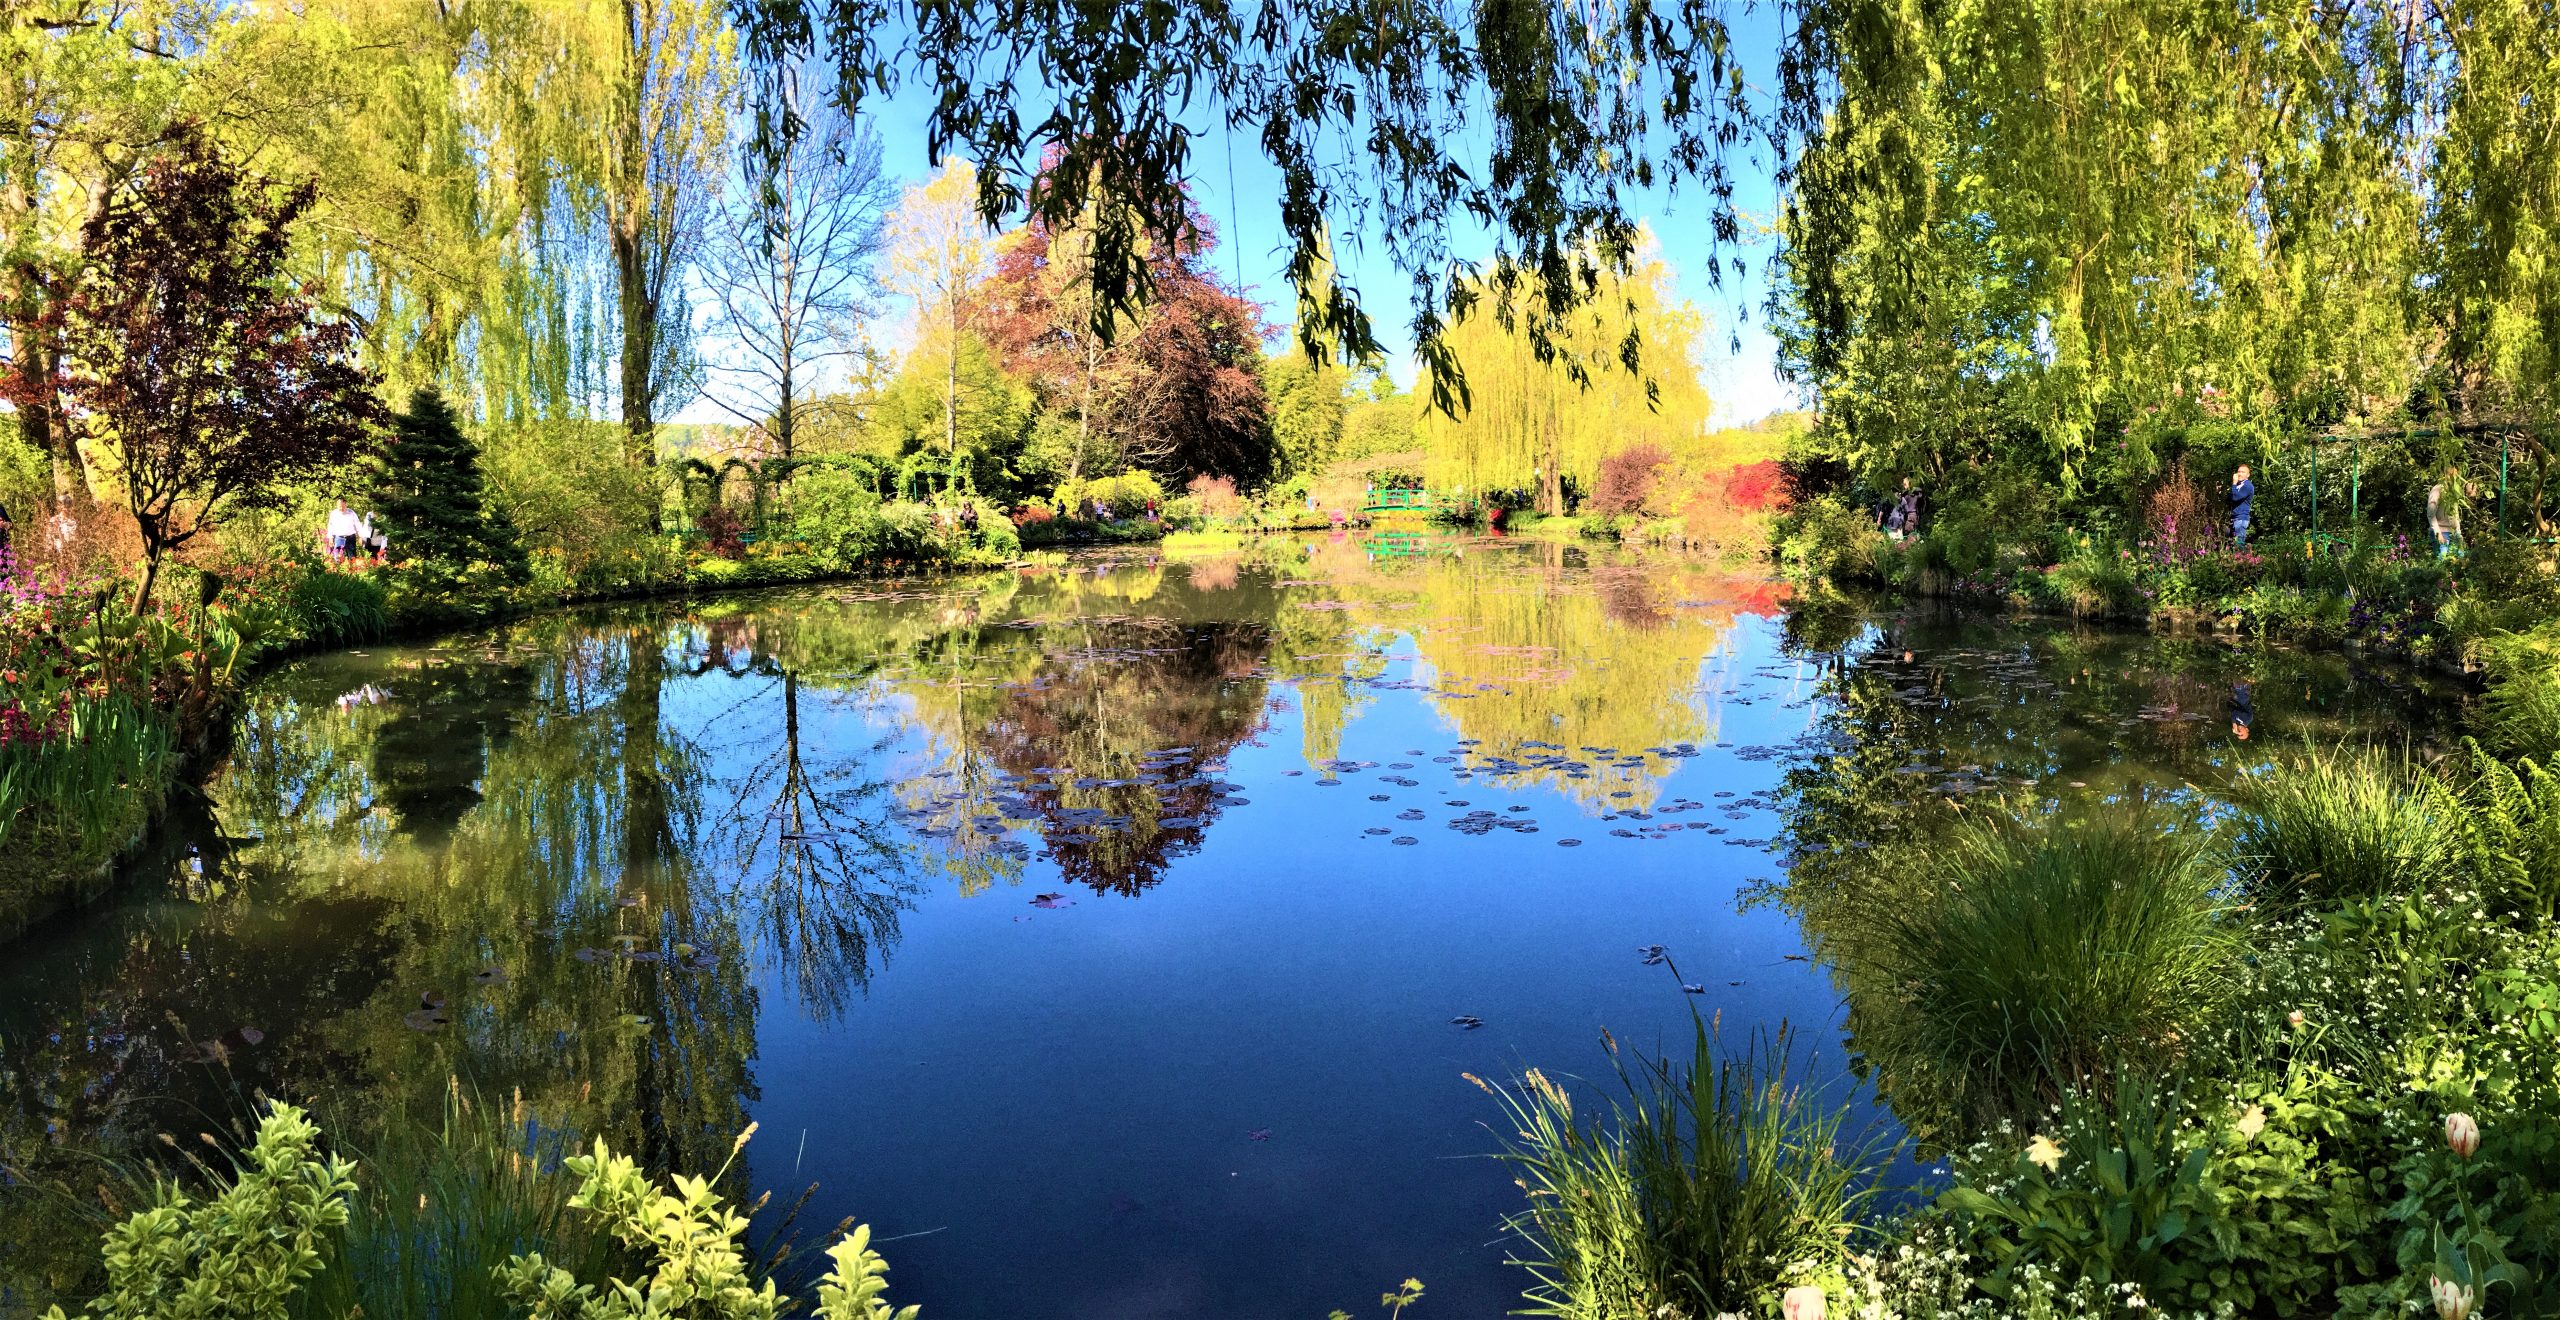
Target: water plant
(2325, 827)
(2035, 957)
(1710, 1186)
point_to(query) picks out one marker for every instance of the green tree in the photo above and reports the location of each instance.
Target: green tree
(1308, 404)
(428, 493)
(955, 411)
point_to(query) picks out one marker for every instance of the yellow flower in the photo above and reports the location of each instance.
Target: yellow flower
(2253, 1120)
(2045, 1152)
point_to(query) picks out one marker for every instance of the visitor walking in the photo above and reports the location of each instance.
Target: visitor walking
(341, 531)
(2444, 513)
(2242, 491)
(1902, 512)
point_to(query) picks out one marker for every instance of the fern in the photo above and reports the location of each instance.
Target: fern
(2511, 832)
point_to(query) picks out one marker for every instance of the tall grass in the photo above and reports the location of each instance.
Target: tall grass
(90, 787)
(2034, 957)
(1709, 1188)
(340, 609)
(440, 1205)
(2324, 828)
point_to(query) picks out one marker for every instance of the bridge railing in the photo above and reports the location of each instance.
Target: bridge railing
(1382, 500)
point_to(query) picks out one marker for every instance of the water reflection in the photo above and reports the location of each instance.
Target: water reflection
(809, 857)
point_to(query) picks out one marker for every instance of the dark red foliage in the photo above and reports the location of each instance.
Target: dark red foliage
(723, 531)
(1180, 391)
(1626, 479)
(190, 361)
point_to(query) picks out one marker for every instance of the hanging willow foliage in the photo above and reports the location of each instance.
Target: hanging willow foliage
(1534, 121)
(2028, 228)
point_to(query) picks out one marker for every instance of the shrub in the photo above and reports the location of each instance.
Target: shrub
(1627, 478)
(240, 1254)
(2321, 828)
(723, 531)
(689, 1238)
(1215, 497)
(2035, 957)
(1712, 1187)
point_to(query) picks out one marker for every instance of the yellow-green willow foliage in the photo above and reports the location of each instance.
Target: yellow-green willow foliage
(2015, 231)
(1532, 424)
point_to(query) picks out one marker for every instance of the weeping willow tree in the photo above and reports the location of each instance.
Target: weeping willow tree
(2026, 232)
(1617, 372)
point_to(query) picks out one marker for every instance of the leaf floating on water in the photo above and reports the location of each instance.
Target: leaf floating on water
(1470, 1023)
(686, 950)
(426, 1019)
(586, 955)
(1404, 841)
(1259, 1134)
(431, 999)
(1568, 843)
(632, 901)
(490, 976)
(1374, 831)
(1053, 901)
(1693, 989)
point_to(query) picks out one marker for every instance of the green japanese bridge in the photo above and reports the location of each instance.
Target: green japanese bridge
(1405, 501)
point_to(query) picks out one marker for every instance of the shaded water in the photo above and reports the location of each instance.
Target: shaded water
(1109, 938)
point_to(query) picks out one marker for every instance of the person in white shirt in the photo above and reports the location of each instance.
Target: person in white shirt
(344, 527)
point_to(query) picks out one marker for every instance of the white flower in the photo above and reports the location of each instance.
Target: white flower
(2453, 1300)
(2461, 1133)
(1803, 1303)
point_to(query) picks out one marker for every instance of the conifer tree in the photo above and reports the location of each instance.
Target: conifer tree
(428, 497)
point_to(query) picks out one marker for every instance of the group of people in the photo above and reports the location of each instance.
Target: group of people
(350, 536)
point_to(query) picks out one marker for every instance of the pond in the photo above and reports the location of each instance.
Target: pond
(1116, 937)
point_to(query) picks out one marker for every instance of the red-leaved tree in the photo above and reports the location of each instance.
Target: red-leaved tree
(1177, 392)
(200, 376)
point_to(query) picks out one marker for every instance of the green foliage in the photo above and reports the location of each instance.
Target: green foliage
(2510, 835)
(988, 426)
(689, 1238)
(441, 1207)
(1710, 1187)
(1124, 496)
(1824, 542)
(2340, 825)
(327, 608)
(2522, 712)
(2031, 958)
(427, 495)
(240, 1254)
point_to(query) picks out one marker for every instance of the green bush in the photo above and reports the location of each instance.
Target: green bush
(2319, 829)
(330, 608)
(2035, 957)
(2510, 835)
(1825, 542)
(239, 1255)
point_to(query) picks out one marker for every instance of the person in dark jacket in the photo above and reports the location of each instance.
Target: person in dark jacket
(2242, 491)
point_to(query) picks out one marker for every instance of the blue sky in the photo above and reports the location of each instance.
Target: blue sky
(1743, 385)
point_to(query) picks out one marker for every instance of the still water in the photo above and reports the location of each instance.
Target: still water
(1112, 937)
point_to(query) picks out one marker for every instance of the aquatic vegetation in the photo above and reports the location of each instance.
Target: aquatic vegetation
(2342, 824)
(1712, 1186)
(2034, 958)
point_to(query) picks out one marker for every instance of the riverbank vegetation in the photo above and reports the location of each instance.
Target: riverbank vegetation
(2296, 1062)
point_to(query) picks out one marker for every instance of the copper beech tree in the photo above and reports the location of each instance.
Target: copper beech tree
(200, 377)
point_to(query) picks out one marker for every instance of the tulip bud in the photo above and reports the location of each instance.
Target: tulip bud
(2453, 1300)
(1803, 1303)
(2294, 1019)
(2462, 1134)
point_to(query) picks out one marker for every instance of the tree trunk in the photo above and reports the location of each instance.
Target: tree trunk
(32, 356)
(785, 416)
(951, 391)
(629, 211)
